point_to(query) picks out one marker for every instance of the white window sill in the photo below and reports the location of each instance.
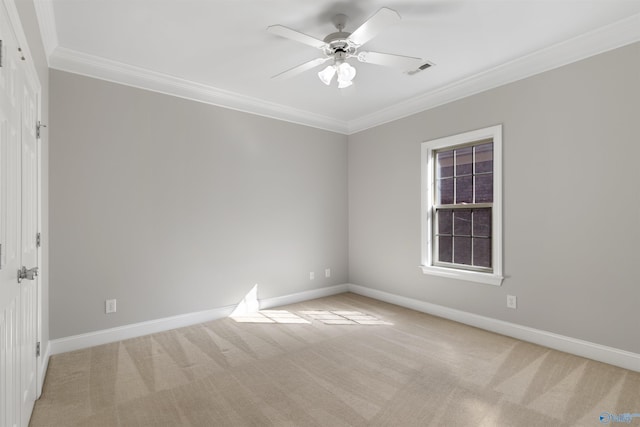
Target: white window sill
(470, 276)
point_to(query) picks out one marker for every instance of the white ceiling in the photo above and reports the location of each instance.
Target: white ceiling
(220, 51)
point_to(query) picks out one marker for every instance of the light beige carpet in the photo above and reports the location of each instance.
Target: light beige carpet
(339, 361)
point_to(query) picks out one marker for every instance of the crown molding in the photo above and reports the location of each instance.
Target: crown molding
(615, 35)
(47, 23)
(93, 66)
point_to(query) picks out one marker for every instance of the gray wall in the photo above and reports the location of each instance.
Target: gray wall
(32, 31)
(571, 201)
(173, 206)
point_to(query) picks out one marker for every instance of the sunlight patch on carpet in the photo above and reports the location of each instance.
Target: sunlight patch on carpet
(269, 316)
(341, 317)
(248, 311)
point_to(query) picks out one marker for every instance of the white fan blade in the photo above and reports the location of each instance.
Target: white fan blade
(301, 68)
(406, 63)
(382, 19)
(288, 33)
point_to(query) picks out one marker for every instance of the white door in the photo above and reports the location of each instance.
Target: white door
(18, 228)
(10, 206)
(27, 325)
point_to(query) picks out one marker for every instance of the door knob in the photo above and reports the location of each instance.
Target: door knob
(29, 274)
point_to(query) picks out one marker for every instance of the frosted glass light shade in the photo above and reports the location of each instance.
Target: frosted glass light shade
(346, 72)
(327, 74)
(344, 83)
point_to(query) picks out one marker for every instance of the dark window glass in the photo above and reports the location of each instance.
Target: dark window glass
(482, 252)
(482, 222)
(464, 189)
(464, 176)
(484, 188)
(462, 222)
(445, 249)
(445, 221)
(462, 250)
(483, 158)
(445, 192)
(444, 161)
(472, 175)
(464, 161)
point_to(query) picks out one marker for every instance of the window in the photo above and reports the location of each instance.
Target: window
(462, 206)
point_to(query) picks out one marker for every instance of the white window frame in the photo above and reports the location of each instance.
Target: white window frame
(428, 150)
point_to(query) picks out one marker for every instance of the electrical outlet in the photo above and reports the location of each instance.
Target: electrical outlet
(110, 306)
(312, 275)
(327, 272)
(512, 301)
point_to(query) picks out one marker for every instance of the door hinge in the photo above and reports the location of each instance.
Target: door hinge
(38, 349)
(39, 125)
(1, 54)
(0, 256)
(38, 240)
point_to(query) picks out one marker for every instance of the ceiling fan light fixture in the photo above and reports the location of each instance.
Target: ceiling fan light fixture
(342, 45)
(346, 72)
(327, 74)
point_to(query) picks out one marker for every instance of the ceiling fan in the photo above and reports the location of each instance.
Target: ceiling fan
(341, 45)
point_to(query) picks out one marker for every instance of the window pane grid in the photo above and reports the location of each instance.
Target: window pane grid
(465, 175)
(462, 208)
(459, 244)
(459, 172)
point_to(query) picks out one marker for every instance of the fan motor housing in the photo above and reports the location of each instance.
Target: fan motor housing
(338, 42)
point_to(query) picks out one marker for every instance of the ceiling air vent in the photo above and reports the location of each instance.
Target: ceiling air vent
(420, 68)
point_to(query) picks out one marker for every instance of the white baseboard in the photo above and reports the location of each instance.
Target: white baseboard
(610, 355)
(105, 336)
(601, 353)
